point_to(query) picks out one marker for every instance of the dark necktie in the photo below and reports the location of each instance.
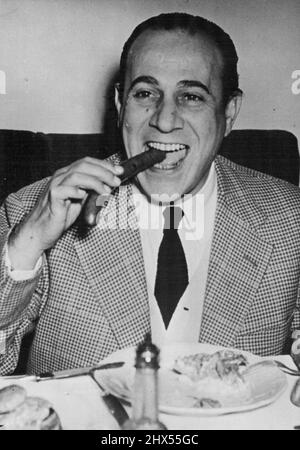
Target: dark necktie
(172, 274)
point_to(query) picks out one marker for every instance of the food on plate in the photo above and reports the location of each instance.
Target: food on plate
(216, 379)
(202, 380)
(20, 412)
(224, 364)
(206, 403)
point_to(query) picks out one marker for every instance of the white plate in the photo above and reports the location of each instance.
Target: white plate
(267, 381)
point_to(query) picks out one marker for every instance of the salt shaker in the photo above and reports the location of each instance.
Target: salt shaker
(145, 394)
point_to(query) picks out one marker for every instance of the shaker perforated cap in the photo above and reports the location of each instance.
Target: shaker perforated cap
(147, 354)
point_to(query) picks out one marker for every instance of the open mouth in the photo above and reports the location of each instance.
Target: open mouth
(176, 153)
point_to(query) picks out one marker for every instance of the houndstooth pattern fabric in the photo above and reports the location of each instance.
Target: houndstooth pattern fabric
(252, 298)
(90, 297)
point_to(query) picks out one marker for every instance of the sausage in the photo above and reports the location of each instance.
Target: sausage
(132, 167)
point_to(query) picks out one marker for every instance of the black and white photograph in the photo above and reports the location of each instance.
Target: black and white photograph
(149, 217)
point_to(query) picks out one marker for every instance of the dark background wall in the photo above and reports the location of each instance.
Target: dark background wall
(58, 58)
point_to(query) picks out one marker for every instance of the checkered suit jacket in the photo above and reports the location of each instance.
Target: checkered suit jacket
(91, 297)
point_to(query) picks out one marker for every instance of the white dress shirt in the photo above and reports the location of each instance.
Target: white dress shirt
(20, 275)
(195, 232)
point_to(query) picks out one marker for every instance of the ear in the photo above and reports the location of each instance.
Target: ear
(118, 101)
(232, 109)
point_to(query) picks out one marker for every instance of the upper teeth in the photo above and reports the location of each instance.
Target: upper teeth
(166, 147)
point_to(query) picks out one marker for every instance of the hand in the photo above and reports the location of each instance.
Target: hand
(58, 208)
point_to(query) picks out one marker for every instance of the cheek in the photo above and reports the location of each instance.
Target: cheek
(211, 129)
(129, 121)
(127, 126)
(134, 119)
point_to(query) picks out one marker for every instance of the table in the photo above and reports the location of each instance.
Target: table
(79, 405)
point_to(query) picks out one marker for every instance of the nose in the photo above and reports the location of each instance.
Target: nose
(166, 117)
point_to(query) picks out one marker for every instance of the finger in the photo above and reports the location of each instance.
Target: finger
(115, 169)
(86, 165)
(68, 193)
(98, 171)
(90, 182)
(58, 176)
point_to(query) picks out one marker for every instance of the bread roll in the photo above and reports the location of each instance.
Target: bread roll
(11, 397)
(33, 414)
(19, 412)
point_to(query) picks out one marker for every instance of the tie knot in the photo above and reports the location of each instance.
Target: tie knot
(172, 215)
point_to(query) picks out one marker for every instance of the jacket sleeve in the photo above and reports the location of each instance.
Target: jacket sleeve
(21, 302)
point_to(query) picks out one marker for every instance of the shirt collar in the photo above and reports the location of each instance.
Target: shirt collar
(149, 214)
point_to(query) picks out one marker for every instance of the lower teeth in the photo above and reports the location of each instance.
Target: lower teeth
(167, 166)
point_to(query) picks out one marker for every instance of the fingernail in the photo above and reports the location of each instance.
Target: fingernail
(107, 189)
(118, 170)
(117, 181)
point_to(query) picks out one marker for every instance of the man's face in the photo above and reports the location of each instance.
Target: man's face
(172, 101)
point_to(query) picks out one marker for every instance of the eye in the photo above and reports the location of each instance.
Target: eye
(142, 94)
(145, 97)
(191, 98)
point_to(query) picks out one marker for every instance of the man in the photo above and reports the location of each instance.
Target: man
(87, 296)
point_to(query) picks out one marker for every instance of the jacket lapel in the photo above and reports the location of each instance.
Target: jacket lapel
(111, 257)
(239, 259)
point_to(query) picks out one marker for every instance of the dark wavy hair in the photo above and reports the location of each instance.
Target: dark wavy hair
(192, 25)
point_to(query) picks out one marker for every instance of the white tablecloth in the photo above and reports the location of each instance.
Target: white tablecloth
(80, 406)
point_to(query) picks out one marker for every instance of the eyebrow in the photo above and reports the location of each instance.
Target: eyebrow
(184, 83)
(144, 79)
(194, 83)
